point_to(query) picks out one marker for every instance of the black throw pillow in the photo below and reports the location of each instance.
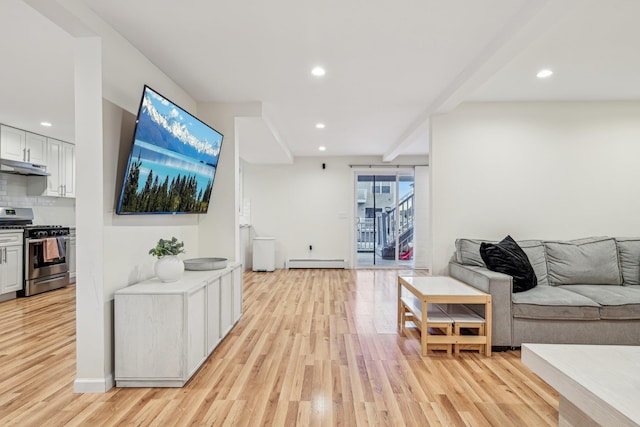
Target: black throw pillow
(508, 257)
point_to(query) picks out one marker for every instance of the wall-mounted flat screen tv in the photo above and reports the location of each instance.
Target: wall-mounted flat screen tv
(172, 164)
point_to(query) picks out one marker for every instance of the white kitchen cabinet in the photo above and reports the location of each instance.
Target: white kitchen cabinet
(61, 164)
(69, 170)
(12, 143)
(71, 255)
(17, 144)
(165, 331)
(11, 273)
(36, 149)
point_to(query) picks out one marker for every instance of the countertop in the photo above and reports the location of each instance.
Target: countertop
(190, 280)
(12, 231)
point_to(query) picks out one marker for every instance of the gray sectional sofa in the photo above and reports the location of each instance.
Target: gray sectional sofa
(588, 291)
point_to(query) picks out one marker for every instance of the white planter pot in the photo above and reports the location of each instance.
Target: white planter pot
(169, 268)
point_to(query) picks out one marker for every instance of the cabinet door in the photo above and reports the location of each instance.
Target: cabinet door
(213, 314)
(226, 295)
(12, 143)
(149, 336)
(196, 327)
(36, 146)
(68, 170)
(237, 293)
(54, 167)
(12, 264)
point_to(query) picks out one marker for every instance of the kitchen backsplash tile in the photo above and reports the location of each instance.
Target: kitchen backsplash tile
(47, 210)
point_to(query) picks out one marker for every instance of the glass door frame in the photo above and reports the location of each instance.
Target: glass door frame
(385, 171)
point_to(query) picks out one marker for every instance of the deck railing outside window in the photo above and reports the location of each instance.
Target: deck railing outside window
(382, 238)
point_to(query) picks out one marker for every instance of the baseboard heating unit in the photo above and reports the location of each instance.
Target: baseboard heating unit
(316, 263)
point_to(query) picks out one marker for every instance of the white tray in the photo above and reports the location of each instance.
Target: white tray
(205, 263)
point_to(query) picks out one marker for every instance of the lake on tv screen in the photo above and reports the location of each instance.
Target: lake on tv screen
(166, 163)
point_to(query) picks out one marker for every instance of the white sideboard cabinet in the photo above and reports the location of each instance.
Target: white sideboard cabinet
(165, 331)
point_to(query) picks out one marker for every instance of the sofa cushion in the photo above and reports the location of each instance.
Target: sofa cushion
(617, 302)
(509, 258)
(589, 262)
(629, 252)
(468, 253)
(535, 252)
(553, 303)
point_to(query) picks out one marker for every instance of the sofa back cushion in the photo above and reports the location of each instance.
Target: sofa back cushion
(468, 253)
(629, 252)
(535, 252)
(586, 262)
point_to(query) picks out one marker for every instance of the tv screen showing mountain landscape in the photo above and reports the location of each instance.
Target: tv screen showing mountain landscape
(173, 161)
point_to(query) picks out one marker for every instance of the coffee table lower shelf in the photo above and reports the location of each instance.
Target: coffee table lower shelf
(447, 328)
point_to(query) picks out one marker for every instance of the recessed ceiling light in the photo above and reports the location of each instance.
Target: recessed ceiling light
(320, 126)
(542, 74)
(318, 71)
(322, 148)
(47, 124)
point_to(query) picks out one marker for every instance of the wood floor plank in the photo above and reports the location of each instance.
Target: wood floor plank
(313, 348)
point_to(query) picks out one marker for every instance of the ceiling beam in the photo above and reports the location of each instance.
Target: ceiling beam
(276, 135)
(533, 19)
(61, 16)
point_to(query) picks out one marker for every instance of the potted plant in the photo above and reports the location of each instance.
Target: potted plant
(169, 267)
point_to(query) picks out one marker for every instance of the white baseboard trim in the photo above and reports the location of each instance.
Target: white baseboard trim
(93, 385)
(316, 263)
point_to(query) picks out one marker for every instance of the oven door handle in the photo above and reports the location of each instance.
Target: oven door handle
(42, 240)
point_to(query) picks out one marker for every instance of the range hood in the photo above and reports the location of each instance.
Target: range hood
(22, 168)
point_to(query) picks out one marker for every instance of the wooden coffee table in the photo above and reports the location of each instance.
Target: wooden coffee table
(436, 303)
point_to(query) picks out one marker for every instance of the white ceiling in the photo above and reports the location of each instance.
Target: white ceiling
(36, 72)
(389, 64)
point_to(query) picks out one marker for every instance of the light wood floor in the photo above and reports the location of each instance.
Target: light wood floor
(314, 347)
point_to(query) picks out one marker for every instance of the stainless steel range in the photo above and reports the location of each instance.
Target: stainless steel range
(44, 253)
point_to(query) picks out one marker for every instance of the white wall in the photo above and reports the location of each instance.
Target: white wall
(129, 237)
(302, 204)
(219, 229)
(534, 170)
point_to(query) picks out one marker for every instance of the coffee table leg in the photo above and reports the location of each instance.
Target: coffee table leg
(424, 333)
(400, 308)
(487, 321)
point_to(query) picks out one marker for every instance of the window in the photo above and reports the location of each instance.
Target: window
(382, 188)
(368, 212)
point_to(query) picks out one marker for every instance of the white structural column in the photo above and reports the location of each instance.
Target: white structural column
(92, 375)
(421, 238)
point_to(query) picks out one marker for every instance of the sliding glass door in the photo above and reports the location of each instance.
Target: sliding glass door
(384, 220)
